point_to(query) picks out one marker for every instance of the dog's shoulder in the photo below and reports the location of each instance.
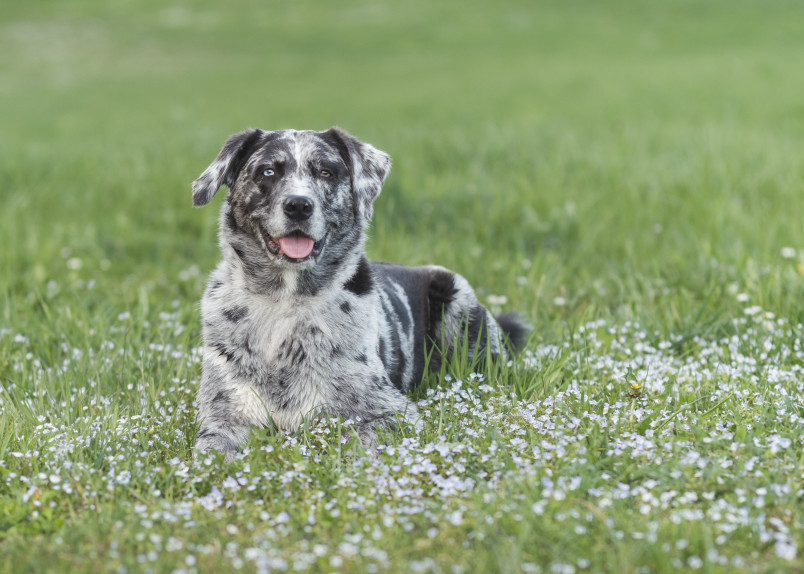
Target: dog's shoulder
(223, 301)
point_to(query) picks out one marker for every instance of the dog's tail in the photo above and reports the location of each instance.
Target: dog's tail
(515, 330)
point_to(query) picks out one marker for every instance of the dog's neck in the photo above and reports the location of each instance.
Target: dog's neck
(286, 285)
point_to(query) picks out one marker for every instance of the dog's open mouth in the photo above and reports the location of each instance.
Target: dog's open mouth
(295, 246)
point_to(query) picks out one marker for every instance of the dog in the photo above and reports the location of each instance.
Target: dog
(296, 322)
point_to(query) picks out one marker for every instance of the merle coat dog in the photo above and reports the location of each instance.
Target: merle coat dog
(296, 321)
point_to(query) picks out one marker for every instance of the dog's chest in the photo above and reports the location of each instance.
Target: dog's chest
(304, 358)
(289, 338)
(289, 351)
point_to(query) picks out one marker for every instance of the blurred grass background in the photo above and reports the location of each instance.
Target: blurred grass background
(627, 161)
(628, 157)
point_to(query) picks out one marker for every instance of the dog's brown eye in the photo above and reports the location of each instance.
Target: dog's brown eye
(325, 173)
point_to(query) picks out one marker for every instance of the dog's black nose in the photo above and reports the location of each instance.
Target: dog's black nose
(298, 207)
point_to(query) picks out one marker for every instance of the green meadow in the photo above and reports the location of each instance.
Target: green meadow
(627, 175)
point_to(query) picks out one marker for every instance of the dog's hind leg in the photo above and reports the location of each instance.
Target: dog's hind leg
(458, 320)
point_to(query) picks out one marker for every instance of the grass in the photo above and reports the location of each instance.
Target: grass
(626, 174)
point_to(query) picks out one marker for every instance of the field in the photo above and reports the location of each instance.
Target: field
(627, 175)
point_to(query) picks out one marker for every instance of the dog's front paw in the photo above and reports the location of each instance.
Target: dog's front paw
(367, 430)
(367, 433)
(208, 440)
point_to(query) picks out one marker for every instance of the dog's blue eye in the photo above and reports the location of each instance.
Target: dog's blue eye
(268, 172)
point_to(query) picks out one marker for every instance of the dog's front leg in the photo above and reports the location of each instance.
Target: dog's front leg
(225, 425)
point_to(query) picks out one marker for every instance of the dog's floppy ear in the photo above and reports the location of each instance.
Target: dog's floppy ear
(224, 170)
(368, 168)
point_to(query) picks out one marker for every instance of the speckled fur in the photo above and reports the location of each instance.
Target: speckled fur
(333, 334)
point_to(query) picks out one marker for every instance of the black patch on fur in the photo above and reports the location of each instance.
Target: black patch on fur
(333, 137)
(515, 329)
(204, 433)
(346, 307)
(222, 396)
(239, 252)
(362, 281)
(231, 221)
(476, 330)
(440, 295)
(415, 283)
(274, 382)
(256, 200)
(222, 349)
(245, 150)
(214, 286)
(395, 312)
(311, 281)
(247, 345)
(382, 349)
(362, 358)
(401, 365)
(400, 309)
(235, 314)
(336, 351)
(381, 382)
(349, 397)
(280, 382)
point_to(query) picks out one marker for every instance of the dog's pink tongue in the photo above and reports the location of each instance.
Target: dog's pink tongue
(296, 246)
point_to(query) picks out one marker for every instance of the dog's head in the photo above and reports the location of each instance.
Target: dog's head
(297, 198)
